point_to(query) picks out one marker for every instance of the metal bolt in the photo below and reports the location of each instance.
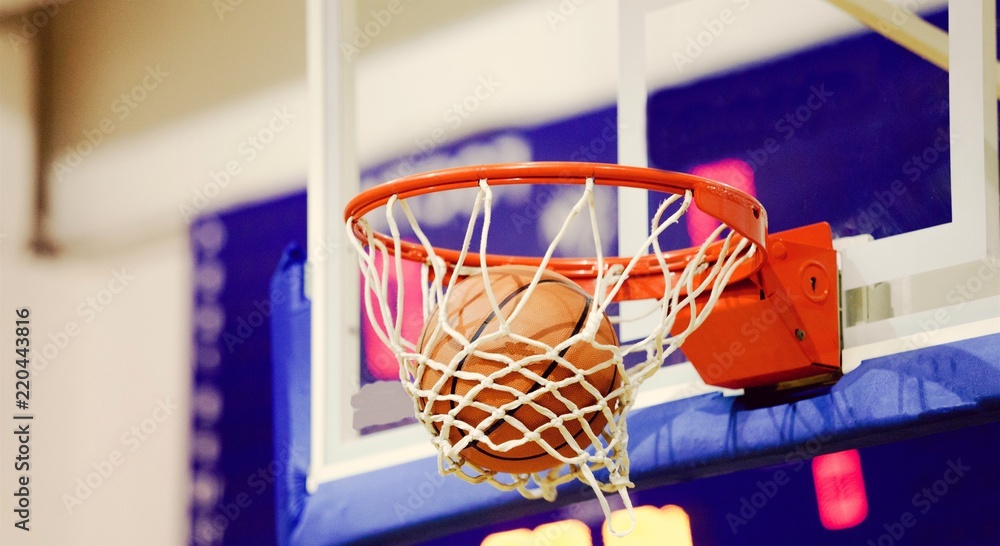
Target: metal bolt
(800, 334)
(778, 250)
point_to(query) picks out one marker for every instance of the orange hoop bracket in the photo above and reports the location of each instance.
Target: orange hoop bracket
(734, 208)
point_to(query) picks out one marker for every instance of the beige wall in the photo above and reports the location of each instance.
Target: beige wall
(102, 49)
(110, 370)
(106, 370)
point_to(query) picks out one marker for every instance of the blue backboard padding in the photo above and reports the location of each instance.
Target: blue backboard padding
(409, 496)
(886, 399)
(291, 382)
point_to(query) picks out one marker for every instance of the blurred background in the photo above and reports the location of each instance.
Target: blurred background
(128, 128)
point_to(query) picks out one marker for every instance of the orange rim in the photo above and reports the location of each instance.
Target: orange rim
(734, 208)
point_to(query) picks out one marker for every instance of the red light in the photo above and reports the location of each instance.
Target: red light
(840, 489)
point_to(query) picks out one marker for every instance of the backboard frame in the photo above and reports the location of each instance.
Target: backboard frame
(973, 119)
(334, 178)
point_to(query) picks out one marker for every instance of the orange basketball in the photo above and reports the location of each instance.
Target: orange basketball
(556, 310)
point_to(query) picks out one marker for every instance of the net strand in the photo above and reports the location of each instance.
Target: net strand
(600, 458)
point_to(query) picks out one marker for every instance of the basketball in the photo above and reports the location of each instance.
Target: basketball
(555, 310)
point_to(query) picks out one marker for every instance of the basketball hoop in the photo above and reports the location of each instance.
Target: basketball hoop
(734, 208)
(686, 285)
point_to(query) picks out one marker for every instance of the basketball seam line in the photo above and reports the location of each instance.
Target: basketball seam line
(552, 366)
(485, 323)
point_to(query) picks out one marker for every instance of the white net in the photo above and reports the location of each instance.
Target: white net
(540, 399)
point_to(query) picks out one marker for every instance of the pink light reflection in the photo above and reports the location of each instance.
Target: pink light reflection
(732, 172)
